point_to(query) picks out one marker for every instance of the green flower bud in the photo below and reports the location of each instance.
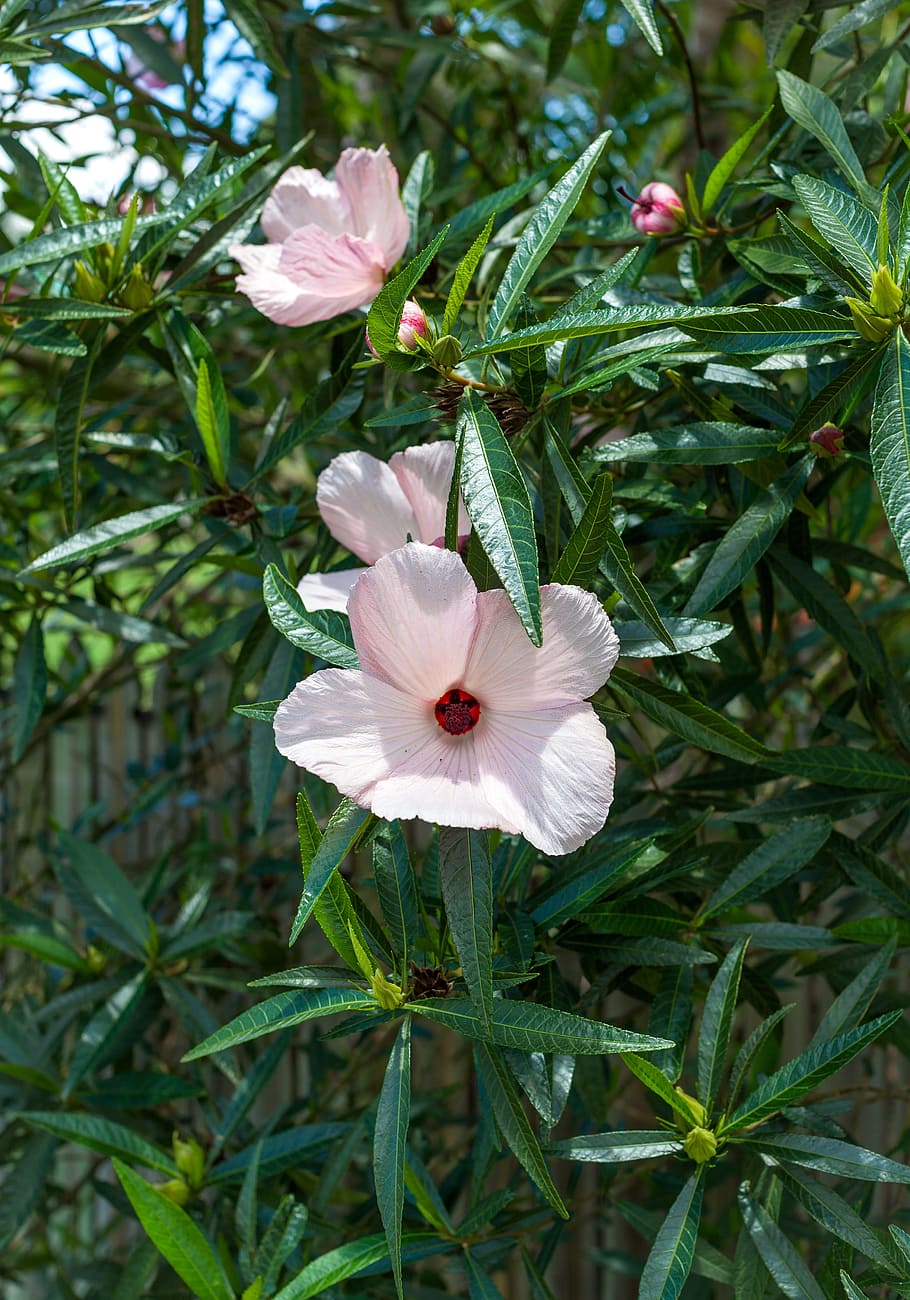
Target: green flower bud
(175, 1189)
(189, 1159)
(387, 994)
(447, 351)
(96, 959)
(104, 260)
(695, 1107)
(89, 288)
(886, 298)
(867, 323)
(137, 293)
(700, 1145)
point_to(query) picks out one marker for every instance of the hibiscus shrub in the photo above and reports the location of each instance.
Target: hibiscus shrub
(555, 624)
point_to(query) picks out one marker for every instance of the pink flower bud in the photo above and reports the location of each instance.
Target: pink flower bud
(827, 441)
(413, 324)
(658, 210)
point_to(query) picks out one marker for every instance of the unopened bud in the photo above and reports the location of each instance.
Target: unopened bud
(387, 994)
(700, 1145)
(104, 260)
(189, 1159)
(447, 351)
(96, 959)
(175, 1190)
(137, 293)
(886, 298)
(867, 323)
(695, 1107)
(658, 210)
(827, 441)
(413, 325)
(89, 287)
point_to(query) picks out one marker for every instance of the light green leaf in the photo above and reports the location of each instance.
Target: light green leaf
(735, 556)
(464, 273)
(390, 1143)
(532, 1027)
(347, 826)
(657, 1082)
(811, 109)
(281, 1012)
(180, 1240)
(113, 532)
(539, 236)
(323, 633)
(769, 865)
(643, 13)
(499, 507)
(322, 1274)
(385, 313)
(724, 169)
(805, 1072)
(103, 1136)
(466, 874)
(889, 445)
(670, 1259)
(212, 430)
(716, 1022)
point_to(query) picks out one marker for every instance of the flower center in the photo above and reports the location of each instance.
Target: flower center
(456, 711)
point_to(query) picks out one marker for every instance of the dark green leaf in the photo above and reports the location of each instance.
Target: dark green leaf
(889, 445)
(531, 1027)
(385, 313)
(670, 1259)
(390, 1142)
(103, 1136)
(769, 865)
(396, 885)
(713, 443)
(579, 561)
(716, 1022)
(113, 532)
(466, 874)
(562, 30)
(816, 113)
(323, 633)
(347, 826)
(618, 1147)
(464, 273)
(779, 1257)
(29, 686)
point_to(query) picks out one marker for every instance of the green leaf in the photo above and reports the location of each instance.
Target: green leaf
(480, 1285)
(113, 532)
(851, 1290)
(68, 425)
(829, 609)
(779, 17)
(322, 1274)
(104, 1031)
(643, 13)
(180, 1241)
(579, 561)
(335, 914)
(499, 507)
(45, 947)
(830, 1156)
(29, 687)
(390, 1143)
(63, 309)
(50, 337)
(889, 445)
(688, 718)
(724, 169)
(713, 443)
(769, 865)
(110, 890)
(539, 236)
(323, 633)
(103, 1136)
(464, 273)
(779, 1257)
(670, 1259)
(513, 1123)
(618, 1147)
(834, 1214)
(635, 641)
(804, 1073)
(264, 711)
(385, 313)
(22, 1188)
(811, 109)
(750, 1049)
(836, 396)
(587, 324)
(466, 874)
(213, 431)
(251, 23)
(531, 1027)
(281, 1012)
(847, 226)
(396, 885)
(873, 875)
(68, 242)
(747, 540)
(769, 329)
(716, 1022)
(347, 826)
(850, 1005)
(562, 30)
(658, 1083)
(860, 769)
(267, 765)
(671, 1015)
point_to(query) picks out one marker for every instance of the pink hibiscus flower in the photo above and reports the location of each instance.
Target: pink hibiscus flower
(330, 242)
(454, 716)
(372, 508)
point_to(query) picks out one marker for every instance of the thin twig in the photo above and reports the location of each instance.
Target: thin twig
(690, 69)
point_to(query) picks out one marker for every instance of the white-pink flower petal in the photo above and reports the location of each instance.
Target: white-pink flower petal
(578, 653)
(425, 476)
(362, 505)
(328, 590)
(550, 773)
(304, 197)
(369, 181)
(413, 618)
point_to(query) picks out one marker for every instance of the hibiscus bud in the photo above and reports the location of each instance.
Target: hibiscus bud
(700, 1145)
(175, 1190)
(189, 1159)
(447, 351)
(658, 210)
(89, 287)
(886, 298)
(96, 959)
(827, 441)
(695, 1107)
(387, 994)
(413, 325)
(867, 323)
(137, 293)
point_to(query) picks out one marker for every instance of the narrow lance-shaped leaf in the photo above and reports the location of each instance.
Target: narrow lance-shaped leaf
(29, 686)
(670, 1259)
(464, 273)
(816, 113)
(825, 604)
(658, 1083)
(834, 1214)
(579, 561)
(541, 234)
(212, 430)
(617, 1147)
(724, 169)
(385, 313)
(466, 875)
(531, 1027)
(347, 826)
(889, 445)
(390, 1143)
(779, 1257)
(562, 30)
(334, 913)
(113, 532)
(847, 225)
(769, 865)
(323, 633)
(499, 507)
(829, 1156)
(396, 885)
(282, 1012)
(852, 1003)
(716, 1021)
(103, 1136)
